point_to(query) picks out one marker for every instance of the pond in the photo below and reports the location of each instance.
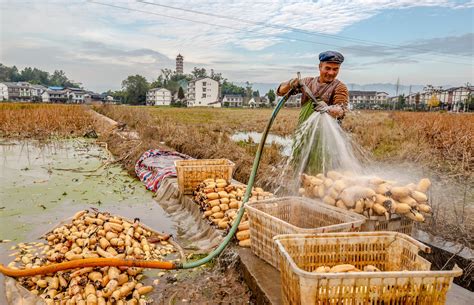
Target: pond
(255, 137)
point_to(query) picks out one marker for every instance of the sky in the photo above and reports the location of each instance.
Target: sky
(99, 43)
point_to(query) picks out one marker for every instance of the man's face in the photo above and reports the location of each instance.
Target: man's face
(328, 71)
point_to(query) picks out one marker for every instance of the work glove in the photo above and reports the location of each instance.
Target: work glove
(319, 105)
(295, 84)
(335, 111)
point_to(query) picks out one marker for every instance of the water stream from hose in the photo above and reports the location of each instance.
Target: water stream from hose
(320, 145)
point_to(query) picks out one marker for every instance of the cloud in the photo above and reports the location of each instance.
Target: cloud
(102, 44)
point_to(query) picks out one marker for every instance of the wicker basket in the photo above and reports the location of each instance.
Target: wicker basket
(288, 215)
(396, 223)
(192, 172)
(391, 252)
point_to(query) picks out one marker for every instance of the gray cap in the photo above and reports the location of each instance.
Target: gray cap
(331, 56)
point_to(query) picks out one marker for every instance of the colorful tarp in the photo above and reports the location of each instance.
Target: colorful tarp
(155, 165)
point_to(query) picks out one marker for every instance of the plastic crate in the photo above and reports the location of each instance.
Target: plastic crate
(288, 215)
(192, 172)
(396, 223)
(393, 253)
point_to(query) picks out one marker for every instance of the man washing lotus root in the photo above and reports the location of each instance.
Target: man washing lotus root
(325, 87)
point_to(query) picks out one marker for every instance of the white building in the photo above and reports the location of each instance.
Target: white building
(203, 92)
(3, 92)
(158, 97)
(76, 95)
(45, 96)
(381, 97)
(294, 101)
(252, 103)
(232, 100)
(460, 97)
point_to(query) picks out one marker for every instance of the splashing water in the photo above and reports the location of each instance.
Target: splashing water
(319, 145)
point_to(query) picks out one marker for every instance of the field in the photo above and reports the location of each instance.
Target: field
(43, 121)
(440, 144)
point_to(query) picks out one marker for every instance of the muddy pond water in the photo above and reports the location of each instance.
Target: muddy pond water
(42, 184)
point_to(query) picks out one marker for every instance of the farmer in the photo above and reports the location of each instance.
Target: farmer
(325, 87)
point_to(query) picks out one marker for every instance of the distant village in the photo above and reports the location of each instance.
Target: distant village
(207, 92)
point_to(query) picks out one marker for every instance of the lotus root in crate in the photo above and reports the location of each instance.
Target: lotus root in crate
(402, 276)
(192, 172)
(288, 215)
(396, 223)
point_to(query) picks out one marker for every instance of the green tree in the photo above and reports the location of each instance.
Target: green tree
(230, 88)
(217, 77)
(199, 72)
(271, 96)
(158, 83)
(181, 95)
(256, 94)
(9, 74)
(135, 88)
(248, 89)
(59, 78)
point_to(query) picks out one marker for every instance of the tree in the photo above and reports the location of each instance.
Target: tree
(166, 75)
(135, 88)
(401, 101)
(199, 72)
(158, 83)
(217, 77)
(271, 96)
(433, 101)
(248, 89)
(256, 94)
(181, 95)
(59, 78)
(230, 88)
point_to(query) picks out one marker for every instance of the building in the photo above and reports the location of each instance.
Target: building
(75, 95)
(460, 97)
(232, 100)
(57, 95)
(252, 103)
(362, 97)
(37, 92)
(294, 101)
(368, 99)
(19, 91)
(3, 92)
(264, 102)
(179, 64)
(158, 97)
(381, 98)
(203, 92)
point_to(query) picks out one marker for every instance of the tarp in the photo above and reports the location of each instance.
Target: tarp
(155, 165)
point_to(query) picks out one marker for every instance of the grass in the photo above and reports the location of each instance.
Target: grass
(24, 120)
(441, 141)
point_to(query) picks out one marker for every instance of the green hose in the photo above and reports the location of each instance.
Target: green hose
(248, 191)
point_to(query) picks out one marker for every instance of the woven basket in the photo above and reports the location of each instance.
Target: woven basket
(192, 172)
(288, 215)
(391, 252)
(395, 223)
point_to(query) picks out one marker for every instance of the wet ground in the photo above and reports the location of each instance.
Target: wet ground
(44, 183)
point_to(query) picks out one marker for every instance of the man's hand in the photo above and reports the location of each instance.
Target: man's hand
(335, 111)
(295, 84)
